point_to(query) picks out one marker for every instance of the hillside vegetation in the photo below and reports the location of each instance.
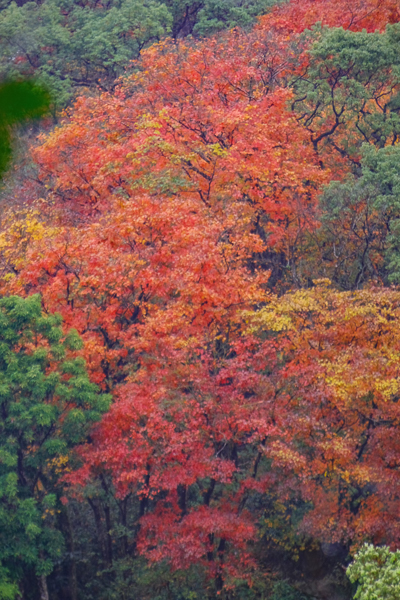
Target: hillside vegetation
(204, 402)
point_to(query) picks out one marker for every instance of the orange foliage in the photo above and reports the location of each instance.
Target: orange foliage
(173, 199)
(339, 389)
(357, 15)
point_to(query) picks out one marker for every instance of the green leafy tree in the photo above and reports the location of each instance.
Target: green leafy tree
(360, 234)
(47, 405)
(376, 570)
(205, 17)
(349, 93)
(74, 45)
(348, 97)
(71, 46)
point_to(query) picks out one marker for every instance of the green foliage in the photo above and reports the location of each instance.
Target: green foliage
(381, 170)
(206, 17)
(134, 579)
(8, 589)
(19, 101)
(361, 230)
(47, 405)
(350, 93)
(376, 570)
(283, 591)
(72, 46)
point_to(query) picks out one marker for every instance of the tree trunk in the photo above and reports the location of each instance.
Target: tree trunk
(44, 592)
(72, 576)
(95, 506)
(107, 514)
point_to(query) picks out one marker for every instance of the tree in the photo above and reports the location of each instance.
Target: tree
(300, 15)
(359, 234)
(348, 93)
(338, 407)
(205, 17)
(376, 570)
(47, 407)
(79, 46)
(76, 46)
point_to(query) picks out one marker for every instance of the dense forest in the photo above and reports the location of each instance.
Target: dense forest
(199, 274)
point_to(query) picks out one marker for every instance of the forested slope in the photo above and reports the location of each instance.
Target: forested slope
(74, 46)
(221, 229)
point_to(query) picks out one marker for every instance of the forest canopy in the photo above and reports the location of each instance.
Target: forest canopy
(206, 255)
(72, 45)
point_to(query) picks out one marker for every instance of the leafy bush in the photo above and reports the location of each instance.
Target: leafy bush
(376, 570)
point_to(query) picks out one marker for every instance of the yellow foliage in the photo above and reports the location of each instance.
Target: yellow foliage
(19, 228)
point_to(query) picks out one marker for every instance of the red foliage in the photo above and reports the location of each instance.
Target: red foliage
(172, 200)
(357, 15)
